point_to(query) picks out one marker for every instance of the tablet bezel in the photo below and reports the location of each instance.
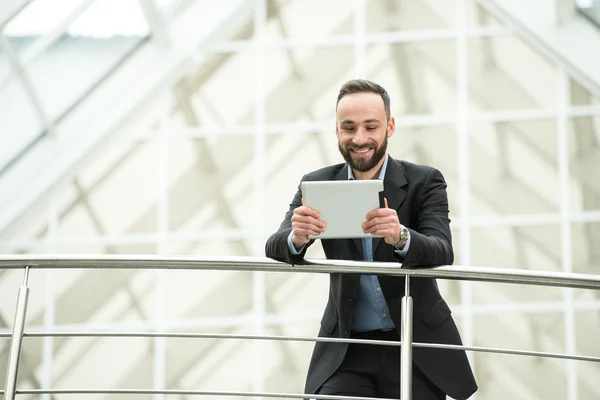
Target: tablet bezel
(343, 205)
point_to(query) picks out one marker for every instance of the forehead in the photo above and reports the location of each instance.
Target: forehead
(361, 106)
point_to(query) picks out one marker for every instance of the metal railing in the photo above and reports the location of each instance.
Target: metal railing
(480, 274)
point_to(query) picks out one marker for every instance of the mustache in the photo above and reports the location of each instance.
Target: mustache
(362, 147)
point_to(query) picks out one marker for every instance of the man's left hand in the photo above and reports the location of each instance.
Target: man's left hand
(383, 222)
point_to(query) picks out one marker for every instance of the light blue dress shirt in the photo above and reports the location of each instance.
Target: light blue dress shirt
(371, 311)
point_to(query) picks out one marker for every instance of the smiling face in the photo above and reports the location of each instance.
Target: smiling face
(362, 128)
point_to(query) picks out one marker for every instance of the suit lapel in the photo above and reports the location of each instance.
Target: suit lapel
(394, 190)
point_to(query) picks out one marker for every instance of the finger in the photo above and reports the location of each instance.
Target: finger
(374, 213)
(372, 227)
(305, 231)
(308, 227)
(382, 213)
(308, 220)
(387, 228)
(381, 220)
(306, 210)
(385, 203)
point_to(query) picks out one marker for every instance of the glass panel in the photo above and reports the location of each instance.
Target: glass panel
(514, 168)
(128, 363)
(235, 18)
(296, 155)
(99, 18)
(588, 325)
(19, 123)
(423, 15)
(4, 65)
(420, 77)
(433, 146)
(521, 330)
(476, 14)
(188, 293)
(517, 377)
(86, 61)
(93, 44)
(10, 282)
(584, 145)
(586, 252)
(103, 212)
(210, 363)
(327, 18)
(206, 194)
(87, 52)
(589, 8)
(302, 85)
(124, 199)
(226, 94)
(580, 96)
(297, 296)
(498, 79)
(532, 248)
(389, 16)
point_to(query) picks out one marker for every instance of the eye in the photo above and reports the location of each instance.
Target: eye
(371, 128)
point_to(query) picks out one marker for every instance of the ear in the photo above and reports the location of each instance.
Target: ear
(337, 131)
(391, 127)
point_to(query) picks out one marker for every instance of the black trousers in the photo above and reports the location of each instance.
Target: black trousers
(374, 371)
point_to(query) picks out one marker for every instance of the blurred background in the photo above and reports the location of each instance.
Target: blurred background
(183, 127)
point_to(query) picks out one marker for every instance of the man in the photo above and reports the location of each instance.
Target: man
(415, 231)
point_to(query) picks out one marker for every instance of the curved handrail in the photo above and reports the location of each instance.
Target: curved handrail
(179, 392)
(469, 273)
(28, 262)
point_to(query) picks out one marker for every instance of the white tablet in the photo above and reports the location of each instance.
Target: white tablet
(343, 205)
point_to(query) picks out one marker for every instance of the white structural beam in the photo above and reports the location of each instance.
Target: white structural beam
(562, 142)
(339, 40)
(567, 43)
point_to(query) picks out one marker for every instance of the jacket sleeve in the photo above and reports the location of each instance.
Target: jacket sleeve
(276, 246)
(431, 239)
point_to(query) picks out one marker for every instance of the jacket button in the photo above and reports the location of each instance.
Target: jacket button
(350, 301)
(346, 334)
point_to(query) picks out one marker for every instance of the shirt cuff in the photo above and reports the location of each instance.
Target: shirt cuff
(291, 246)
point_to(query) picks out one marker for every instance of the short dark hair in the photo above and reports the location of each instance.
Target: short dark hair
(365, 86)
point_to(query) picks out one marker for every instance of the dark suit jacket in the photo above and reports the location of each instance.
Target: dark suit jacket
(418, 193)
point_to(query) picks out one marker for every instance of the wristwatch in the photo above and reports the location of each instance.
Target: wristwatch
(404, 234)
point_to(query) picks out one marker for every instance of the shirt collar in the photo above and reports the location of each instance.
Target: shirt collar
(381, 174)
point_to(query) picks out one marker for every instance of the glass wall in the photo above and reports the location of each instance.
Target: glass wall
(209, 166)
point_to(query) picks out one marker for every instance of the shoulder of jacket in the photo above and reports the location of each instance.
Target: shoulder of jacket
(413, 169)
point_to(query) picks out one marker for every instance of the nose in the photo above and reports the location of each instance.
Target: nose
(361, 137)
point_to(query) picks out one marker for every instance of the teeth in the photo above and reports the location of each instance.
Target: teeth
(361, 151)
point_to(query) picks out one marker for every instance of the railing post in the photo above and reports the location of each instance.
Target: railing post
(12, 368)
(406, 347)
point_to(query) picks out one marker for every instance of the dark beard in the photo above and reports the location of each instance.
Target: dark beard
(360, 164)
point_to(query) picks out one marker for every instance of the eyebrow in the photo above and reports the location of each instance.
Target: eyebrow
(371, 120)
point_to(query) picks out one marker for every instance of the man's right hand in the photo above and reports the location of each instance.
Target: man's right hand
(305, 221)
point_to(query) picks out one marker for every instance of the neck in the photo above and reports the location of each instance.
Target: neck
(370, 174)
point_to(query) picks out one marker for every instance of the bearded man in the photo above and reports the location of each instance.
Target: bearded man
(413, 230)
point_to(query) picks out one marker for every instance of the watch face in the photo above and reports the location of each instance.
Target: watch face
(404, 234)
